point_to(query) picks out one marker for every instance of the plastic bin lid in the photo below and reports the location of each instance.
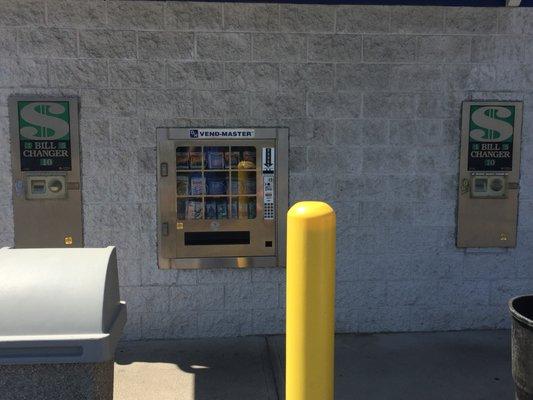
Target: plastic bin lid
(59, 305)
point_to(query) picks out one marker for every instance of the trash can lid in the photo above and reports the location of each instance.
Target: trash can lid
(59, 305)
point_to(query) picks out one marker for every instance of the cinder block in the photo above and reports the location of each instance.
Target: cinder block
(109, 102)
(488, 266)
(426, 132)
(310, 132)
(513, 77)
(379, 159)
(224, 275)
(384, 319)
(223, 46)
(389, 48)
(333, 105)
(254, 295)
(173, 45)
(107, 44)
(465, 292)
(268, 322)
(277, 105)
(166, 325)
(298, 159)
(304, 77)
(417, 19)
(132, 329)
(220, 104)
(434, 318)
(441, 213)
(445, 48)
(274, 274)
(504, 290)
(470, 77)
(421, 188)
(335, 48)
(196, 297)
(443, 159)
(365, 131)
(195, 16)
(346, 162)
(195, 75)
(515, 20)
(22, 12)
(418, 77)
(363, 19)
(318, 187)
(78, 73)
(471, 20)
(350, 188)
(135, 14)
(358, 294)
(225, 323)
(389, 213)
(391, 105)
(48, 42)
(279, 47)
(492, 49)
(76, 13)
(136, 74)
(307, 18)
(129, 271)
(27, 72)
(251, 17)
(165, 103)
(251, 76)
(359, 77)
(8, 46)
(438, 105)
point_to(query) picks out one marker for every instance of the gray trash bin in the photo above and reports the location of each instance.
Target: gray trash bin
(522, 346)
(60, 320)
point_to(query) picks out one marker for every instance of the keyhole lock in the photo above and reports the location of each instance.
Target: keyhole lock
(55, 186)
(465, 186)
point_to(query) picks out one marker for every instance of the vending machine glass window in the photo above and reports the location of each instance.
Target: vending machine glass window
(223, 196)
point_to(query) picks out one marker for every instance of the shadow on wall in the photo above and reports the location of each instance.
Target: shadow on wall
(235, 368)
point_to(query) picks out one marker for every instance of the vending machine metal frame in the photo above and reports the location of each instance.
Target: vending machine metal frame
(228, 242)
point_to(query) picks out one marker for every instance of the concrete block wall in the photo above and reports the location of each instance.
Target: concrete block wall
(371, 95)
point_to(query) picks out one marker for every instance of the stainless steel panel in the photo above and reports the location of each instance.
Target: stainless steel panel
(54, 218)
(173, 253)
(488, 199)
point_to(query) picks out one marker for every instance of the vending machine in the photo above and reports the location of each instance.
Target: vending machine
(223, 196)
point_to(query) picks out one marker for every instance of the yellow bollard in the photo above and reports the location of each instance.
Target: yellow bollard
(310, 301)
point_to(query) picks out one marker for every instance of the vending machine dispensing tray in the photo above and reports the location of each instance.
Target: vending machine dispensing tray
(223, 196)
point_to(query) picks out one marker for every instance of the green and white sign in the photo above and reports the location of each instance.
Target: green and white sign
(491, 131)
(44, 135)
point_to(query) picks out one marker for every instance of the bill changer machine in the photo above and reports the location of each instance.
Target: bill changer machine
(46, 171)
(223, 196)
(489, 174)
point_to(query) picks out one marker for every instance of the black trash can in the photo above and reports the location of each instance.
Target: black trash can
(522, 345)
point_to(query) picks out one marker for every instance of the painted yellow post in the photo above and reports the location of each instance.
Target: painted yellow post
(310, 301)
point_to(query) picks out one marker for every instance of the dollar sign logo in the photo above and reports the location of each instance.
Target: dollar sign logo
(44, 120)
(491, 126)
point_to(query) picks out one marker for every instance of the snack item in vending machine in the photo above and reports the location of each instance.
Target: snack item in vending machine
(181, 209)
(216, 184)
(249, 155)
(182, 158)
(251, 209)
(195, 159)
(210, 209)
(222, 209)
(194, 209)
(197, 184)
(182, 184)
(215, 158)
(234, 208)
(231, 158)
